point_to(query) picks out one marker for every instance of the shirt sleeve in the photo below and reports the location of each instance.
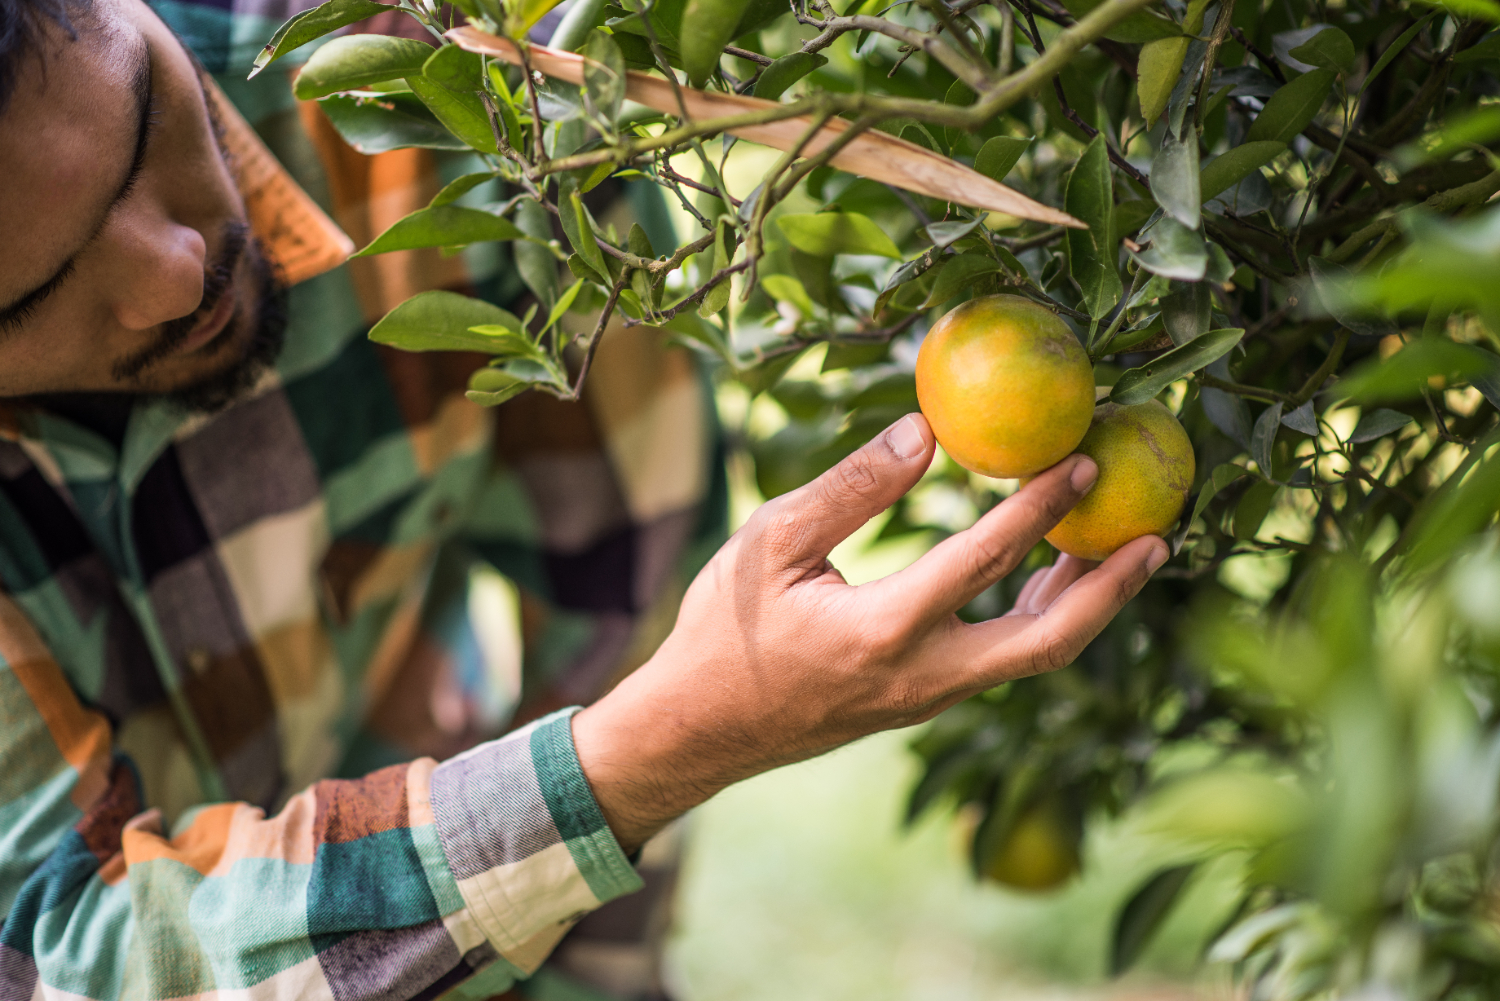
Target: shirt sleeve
(402, 884)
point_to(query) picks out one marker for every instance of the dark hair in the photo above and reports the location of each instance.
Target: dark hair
(22, 24)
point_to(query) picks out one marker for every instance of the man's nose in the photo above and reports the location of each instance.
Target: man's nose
(161, 277)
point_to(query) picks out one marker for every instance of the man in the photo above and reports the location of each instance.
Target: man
(229, 530)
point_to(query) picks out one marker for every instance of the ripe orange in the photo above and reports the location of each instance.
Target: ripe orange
(1145, 471)
(1005, 385)
(1038, 853)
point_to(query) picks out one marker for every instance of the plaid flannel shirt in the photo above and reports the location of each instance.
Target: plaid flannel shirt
(197, 629)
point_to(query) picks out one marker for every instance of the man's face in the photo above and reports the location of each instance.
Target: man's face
(128, 267)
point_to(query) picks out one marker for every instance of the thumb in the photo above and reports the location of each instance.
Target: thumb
(805, 524)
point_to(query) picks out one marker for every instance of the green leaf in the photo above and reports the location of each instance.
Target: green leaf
(462, 114)
(1329, 281)
(1224, 172)
(1377, 424)
(1450, 265)
(1487, 9)
(581, 19)
(455, 68)
(507, 339)
(1137, 27)
(785, 71)
(357, 60)
(1220, 268)
(1250, 513)
(1263, 438)
(1223, 475)
(718, 296)
(1330, 49)
(945, 234)
(315, 23)
(578, 225)
(458, 187)
(1292, 108)
(526, 14)
(441, 321)
(503, 104)
(707, 26)
(785, 288)
(581, 269)
(1399, 45)
(444, 226)
(563, 304)
(1159, 66)
(536, 263)
(1137, 385)
(958, 274)
(1187, 312)
(1464, 130)
(1175, 252)
(1129, 217)
(640, 284)
(1226, 411)
(638, 243)
(1174, 178)
(1452, 517)
(1406, 373)
(1488, 48)
(1091, 256)
(1304, 419)
(1144, 913)
(604, 75)
(666, 22)
(998, 156)
(824, 234)
(1192, 21)
(491, 386)
(377, 124)
(758, 14)
(690, 330)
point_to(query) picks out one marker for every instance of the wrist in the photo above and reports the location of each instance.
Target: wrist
(643, 763)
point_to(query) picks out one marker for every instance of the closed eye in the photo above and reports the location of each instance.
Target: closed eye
(24, 308)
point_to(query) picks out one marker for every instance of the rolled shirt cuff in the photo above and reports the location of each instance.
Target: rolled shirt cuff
(524, 837)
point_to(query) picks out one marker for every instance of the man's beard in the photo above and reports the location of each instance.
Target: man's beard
(219, 389)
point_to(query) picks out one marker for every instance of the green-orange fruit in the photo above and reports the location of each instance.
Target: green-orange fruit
(1005, 385)
(1145, 471)
(1038, 853)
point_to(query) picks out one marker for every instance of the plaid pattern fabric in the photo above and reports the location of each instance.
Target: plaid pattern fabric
(201, 627)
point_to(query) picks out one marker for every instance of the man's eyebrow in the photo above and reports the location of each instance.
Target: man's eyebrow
(141, 86)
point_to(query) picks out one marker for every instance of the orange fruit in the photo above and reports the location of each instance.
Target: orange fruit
(1145, 471)
(1037, 854)
(1005, 385)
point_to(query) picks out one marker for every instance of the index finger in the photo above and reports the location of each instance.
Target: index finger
(1015, 646)
(949, 575)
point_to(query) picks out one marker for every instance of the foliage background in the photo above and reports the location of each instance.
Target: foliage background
(1286, 243)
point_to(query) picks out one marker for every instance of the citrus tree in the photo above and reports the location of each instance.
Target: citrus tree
(1270, 215)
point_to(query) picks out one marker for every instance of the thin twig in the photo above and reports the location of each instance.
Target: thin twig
(748, 56)
(662, 316)
(598, 335)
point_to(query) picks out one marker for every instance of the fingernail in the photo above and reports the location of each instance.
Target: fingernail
(905, 439)
(1156, 557)
(1083, 475)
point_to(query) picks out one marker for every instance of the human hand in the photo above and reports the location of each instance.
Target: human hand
(775, 658)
